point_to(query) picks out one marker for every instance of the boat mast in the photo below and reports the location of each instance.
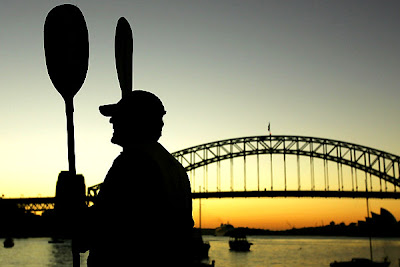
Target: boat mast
(200, 208)
(370, 231)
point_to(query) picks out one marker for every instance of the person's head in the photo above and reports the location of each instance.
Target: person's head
(136, 117)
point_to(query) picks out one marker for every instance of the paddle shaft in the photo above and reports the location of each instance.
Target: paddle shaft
(69, 111)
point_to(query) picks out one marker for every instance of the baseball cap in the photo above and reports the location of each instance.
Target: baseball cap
(137, 101)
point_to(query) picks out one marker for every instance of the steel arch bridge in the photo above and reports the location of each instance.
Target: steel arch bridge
(385, 166)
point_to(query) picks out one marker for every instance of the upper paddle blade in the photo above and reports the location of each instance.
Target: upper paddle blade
(66, 45)
(123, 55)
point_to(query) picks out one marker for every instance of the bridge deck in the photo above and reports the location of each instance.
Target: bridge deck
(312, 194)
(47, 203)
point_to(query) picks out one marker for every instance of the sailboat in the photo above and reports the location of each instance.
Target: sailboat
(362, 262)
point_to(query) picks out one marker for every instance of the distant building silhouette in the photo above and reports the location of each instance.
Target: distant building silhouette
(383, 224)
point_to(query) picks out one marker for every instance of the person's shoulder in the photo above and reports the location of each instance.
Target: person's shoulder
(167, 155)
(133, 160)
(128, 157)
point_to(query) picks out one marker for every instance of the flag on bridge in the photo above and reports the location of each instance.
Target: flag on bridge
(269, 128)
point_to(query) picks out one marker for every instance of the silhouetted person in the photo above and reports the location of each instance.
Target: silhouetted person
(143, 213)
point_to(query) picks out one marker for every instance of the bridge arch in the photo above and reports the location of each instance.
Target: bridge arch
(381, 164)
(385, 166)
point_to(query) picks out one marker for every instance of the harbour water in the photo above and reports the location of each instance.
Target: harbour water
(272, 251)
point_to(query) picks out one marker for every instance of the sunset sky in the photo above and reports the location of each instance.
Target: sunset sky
(223, 69)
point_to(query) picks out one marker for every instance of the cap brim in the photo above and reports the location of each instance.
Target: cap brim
(108, 110)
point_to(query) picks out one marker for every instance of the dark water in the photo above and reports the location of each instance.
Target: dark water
(267, 251)
(36, 252)
(279, 251)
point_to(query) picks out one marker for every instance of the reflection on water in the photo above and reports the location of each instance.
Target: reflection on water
(280, 251)
(273, 251)
(60, 255)
(38, 252)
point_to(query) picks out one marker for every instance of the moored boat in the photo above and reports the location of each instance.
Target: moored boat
(363, 262)
(360, 262)
(238, 242)
(8, 243)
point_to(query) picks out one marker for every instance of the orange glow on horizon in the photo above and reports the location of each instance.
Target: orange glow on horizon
(286, 213)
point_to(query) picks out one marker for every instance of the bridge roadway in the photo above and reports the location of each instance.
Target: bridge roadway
(30, 203)
(295, 193)
(40, 204)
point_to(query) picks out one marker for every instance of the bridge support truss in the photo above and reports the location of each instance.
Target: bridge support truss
(373, 162)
